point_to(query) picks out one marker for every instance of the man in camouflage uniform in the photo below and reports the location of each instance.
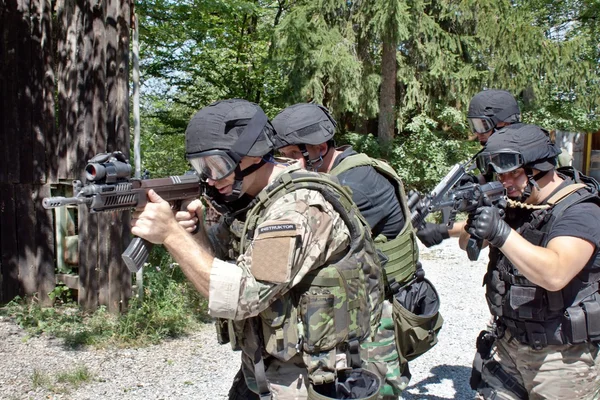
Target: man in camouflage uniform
(290, 265)
(305, 132)
(543, 276)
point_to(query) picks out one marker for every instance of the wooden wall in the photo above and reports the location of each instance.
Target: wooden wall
(49, 131)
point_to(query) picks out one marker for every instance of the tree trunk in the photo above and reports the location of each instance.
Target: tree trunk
(387, 98)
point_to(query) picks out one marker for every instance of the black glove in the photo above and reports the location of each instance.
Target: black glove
(432, 234)
(487, 223)
(467, 178)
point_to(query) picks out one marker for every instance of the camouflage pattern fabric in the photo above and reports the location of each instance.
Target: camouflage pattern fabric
(382, 355)
(300, 241)
(554, 372)
(304, 209)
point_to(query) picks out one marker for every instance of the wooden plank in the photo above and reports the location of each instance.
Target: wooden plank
(38, 109)
(69, 17)
(97, 77)
(26, 246)
(25, 79)
(88, 259)
(70, 280)
(5, 103)
(105, 244)
(117, 80)
(12, 28)
(44, 244)
(71, 251)
(8, 244)
(47, 144)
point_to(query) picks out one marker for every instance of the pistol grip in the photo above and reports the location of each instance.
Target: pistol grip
(136, 254)
(474, 247)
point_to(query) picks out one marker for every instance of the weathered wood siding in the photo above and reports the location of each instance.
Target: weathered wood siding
(49, 132)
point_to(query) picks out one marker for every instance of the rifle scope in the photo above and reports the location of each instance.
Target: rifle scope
(111, 172)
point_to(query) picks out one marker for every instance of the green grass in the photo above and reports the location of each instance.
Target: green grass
(61, 382)
(170, 307)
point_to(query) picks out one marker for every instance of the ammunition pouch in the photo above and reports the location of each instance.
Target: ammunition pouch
(226, 334)
(349, 384)
(417, 320)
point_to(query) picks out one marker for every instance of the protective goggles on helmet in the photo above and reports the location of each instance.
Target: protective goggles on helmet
(502, 162)
(213, 164)
(481, 124)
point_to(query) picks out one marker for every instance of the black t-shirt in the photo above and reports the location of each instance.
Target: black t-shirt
(375, 197)
(581, 221)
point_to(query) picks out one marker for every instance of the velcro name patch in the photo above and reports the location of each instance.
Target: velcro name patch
(277, 228)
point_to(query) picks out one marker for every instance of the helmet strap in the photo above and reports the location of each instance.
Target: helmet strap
(311, 164)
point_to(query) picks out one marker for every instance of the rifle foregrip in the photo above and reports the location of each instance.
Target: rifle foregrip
(136, 254)
(473, 248)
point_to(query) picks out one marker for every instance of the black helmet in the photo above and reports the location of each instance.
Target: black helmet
(489, 107)
(518, 146)
(220, 135)
(220, 125)
(303, 123)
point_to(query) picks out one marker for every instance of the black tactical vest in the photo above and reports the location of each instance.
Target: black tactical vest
(536, 316)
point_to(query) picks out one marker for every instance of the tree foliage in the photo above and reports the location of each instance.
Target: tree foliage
(279, 52)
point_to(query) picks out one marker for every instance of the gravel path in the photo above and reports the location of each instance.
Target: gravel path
(196, 367)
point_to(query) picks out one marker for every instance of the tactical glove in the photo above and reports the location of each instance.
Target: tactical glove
(466, 179)
(487, 223)
(432, 234)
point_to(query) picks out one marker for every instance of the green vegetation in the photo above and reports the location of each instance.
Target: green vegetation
(439, 53)
(61, 382)
(170, 307)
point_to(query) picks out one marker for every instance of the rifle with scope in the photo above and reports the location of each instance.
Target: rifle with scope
(110, 187)
(464, 198)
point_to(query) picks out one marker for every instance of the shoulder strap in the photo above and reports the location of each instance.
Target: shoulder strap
(564, 192)
(330, 189)
(352, 161)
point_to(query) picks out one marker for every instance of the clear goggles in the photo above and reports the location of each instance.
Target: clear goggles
(481, 124)
(502, 162)
(213, 164)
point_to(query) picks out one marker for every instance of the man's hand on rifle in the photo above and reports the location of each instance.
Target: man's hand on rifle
(487, 223)
(432, 234)
(155, 222)
(190, 215)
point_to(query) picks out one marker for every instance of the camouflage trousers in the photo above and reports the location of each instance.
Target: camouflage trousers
(554, 372)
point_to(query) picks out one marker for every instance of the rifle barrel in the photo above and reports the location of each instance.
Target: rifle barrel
(55, 202)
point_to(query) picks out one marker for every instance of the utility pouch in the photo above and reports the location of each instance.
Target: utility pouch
(317, 314)
(525, 300)
(574, 325)
(280, 330)
(592, 313)
(417, 320)
(349, 384)
(222, 326)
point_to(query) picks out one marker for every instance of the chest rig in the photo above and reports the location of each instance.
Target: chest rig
(536, 316)
(335, 307)
(402, 252)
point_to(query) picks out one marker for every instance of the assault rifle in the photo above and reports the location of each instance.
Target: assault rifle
(465, 198)
(110, 187)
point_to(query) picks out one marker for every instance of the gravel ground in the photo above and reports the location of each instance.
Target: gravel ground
(196, 367)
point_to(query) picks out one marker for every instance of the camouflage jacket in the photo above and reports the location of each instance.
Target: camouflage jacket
(299, 274)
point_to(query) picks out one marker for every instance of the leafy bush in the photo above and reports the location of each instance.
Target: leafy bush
(169, 307)
(424, 152)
